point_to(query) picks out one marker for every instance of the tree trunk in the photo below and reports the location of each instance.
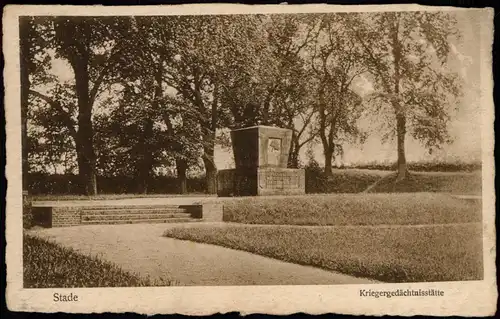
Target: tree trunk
(209, 161)
(293, 158)
(146, 158)
(85, 129)
(142, 185)
(81, 168)
(209, 145)
(401, 133)
(210, 169)
(87, 176)
(77, 53)
(87, 172)
(399, 110)
(211, 178)
(181, 166)
(328, 152)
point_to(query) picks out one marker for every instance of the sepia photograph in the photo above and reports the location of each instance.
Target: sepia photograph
(342, 148)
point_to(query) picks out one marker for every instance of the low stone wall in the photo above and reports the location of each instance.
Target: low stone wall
(56, 216)
(213, 212)
(66, 216)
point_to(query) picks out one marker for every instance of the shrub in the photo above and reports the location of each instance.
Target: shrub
(65, 184)
(27, 212)
(432, 166)
(316, 181)
(47, 265)
(353, 209)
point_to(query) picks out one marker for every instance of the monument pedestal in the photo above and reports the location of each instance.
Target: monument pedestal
(261, 156)
(262, 181)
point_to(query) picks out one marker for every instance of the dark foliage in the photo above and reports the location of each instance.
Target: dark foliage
(68, 184)
(316, 180)
(47, 265)
(424, 167)
(27, 212)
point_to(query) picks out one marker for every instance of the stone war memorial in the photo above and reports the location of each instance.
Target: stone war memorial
(261, 157)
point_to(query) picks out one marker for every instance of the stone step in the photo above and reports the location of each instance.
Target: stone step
(126, 216)
(140, 221)
(135, 211)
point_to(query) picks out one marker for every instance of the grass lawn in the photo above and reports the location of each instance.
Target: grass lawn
(349, 180)
(391, 254)
(354, 209)
(456, 183)
(48, 265)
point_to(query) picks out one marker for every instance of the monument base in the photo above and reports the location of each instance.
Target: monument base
(260, 182)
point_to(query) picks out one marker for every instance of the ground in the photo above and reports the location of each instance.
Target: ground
(142, 249)
(312, 239)
(389, 253)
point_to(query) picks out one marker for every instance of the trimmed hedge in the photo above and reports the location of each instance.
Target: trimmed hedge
(67, 184)
(354, 209)
(27, 212)
(423, 166)
(47, 265)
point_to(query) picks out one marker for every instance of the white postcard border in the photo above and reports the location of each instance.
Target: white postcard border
(476, 298)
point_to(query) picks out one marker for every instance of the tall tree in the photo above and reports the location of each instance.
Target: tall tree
(199, 72)
(158, 55)
(334, 61)
(289, 95)
(406, 54)
(92, 47)
(51, 129)
(128, 139)
(266, 81)
(183, 138)
(34, 64)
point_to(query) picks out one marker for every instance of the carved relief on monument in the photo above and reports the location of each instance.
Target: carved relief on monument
(273, 151)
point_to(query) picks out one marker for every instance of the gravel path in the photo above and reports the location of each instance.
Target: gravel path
(140, 248)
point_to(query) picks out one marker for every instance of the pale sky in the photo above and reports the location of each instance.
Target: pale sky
(465, 127)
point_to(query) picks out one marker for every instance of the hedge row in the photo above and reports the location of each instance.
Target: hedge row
(352, 180)
(69, 184)
(423, 166)
(343, 181)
